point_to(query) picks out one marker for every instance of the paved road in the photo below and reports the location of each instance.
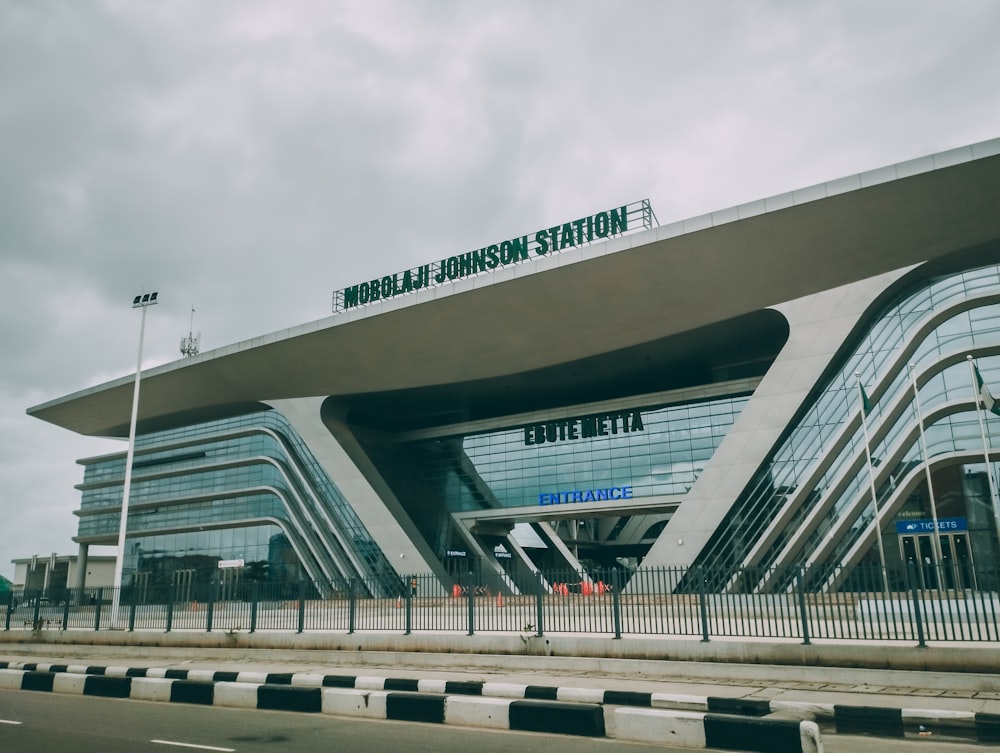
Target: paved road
(50, 723)
(46, 723)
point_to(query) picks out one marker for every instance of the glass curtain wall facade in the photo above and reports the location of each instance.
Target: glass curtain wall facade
(244, 488)
(811, 504)
(647, 451)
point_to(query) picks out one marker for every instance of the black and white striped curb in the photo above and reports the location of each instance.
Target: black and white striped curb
(844, 719)
(538, 709)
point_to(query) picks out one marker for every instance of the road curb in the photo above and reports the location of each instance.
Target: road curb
(691, 729)
(240, 689)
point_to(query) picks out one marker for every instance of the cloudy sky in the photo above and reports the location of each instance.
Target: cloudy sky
(248, 158)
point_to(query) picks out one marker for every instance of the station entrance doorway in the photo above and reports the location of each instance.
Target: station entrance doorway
(953, 571)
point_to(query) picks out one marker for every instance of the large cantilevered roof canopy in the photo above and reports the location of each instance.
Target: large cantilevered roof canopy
(605, 309)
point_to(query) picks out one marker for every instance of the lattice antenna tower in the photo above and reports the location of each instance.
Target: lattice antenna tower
(191, 344)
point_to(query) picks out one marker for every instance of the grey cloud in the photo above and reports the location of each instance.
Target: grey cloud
(251, 157)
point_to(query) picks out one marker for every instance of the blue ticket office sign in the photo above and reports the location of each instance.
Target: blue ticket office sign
(945, 525)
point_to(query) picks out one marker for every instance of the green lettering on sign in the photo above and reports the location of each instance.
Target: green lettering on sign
(579, 232)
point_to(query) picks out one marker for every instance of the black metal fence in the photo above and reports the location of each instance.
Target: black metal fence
(917, 603)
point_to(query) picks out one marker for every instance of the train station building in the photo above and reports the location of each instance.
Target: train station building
(779, 384)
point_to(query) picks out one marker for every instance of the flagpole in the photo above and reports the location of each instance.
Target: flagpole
(877, 523)
(927, 470)
(977, 391)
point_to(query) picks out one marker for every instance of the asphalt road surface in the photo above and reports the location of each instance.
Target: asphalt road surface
(52, 723)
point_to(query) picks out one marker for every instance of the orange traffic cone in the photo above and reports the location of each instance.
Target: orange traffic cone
(399, 602)
(499, 599)
(194, 608)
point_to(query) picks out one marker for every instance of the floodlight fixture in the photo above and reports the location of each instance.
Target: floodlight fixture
(144, 299)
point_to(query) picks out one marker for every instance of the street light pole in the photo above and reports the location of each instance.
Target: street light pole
(143, 301)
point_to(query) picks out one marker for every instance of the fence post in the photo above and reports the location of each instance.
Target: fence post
(133, 599)
(65, 620)
(616, 601)
(35, 616)
(409, 585)
(131, 609)
(10, 608)
(803, 612)
(170, 607)
(471, 602)
(703, 603)
(352, 605)
(911, 571)
(97, 610)
(210, 608)
(539, 603)
(302, 606)
(254, 597)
